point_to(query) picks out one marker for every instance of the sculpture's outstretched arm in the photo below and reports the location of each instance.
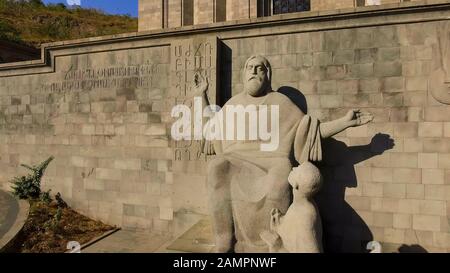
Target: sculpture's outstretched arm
(353, 118)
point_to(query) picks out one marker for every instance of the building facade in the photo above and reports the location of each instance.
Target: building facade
(102, 107)
(158, 14)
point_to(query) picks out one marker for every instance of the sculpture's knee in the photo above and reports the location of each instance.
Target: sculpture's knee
(280, 187)
(218, 170)
(224, 242)
(273, 241)
(218, 165)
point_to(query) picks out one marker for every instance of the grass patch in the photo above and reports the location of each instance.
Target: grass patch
(51, 224)
(33, 23)
(50, 227)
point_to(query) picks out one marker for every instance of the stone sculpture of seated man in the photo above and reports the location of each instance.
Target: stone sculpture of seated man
(246, 183)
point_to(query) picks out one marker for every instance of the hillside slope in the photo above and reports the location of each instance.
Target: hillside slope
(33, 23)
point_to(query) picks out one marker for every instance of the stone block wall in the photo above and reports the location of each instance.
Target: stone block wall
(101, 106)
(175, 15)
(237, 10)
(319, 5)
(203, 12)
(100, 115)
(150, 15)
(403, 193)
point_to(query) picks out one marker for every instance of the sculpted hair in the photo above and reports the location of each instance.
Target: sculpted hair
(266, 65)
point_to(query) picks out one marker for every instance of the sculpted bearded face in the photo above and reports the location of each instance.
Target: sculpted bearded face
(256, 77)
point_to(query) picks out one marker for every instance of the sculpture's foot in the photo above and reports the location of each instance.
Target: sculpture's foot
(273, 240)
(222, 250)
(224, 244)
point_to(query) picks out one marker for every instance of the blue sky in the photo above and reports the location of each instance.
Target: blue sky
(109, 6)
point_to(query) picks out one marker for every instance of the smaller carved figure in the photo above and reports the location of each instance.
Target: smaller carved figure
(300, 230)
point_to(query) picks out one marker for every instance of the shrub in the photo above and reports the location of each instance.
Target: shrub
(53, 223)
(57, 28)
(45, 197)
(36, 3)
(29, 187)
(8, 32)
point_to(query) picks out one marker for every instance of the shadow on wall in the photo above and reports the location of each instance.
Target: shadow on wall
(343, 229)
(295, 96)
(225, 74)
(412, 249)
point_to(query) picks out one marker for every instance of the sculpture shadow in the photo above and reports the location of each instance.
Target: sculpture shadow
(295, 96)
(343, 229)
(412, 249)
(225, 71)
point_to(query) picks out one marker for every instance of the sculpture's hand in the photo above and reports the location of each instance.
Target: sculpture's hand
(210, 149)
(200, 85)
(275, 216)
(353, 118)
(273, 240)
(356, 118)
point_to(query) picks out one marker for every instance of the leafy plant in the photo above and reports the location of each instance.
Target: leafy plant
(53, 223)
(29, 187)
(8, 32)
(45, 197)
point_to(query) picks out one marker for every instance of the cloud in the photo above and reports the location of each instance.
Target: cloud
(74, 2)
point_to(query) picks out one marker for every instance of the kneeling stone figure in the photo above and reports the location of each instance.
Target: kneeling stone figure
(300, 229)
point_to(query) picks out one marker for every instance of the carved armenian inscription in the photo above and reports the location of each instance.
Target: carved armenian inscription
(135, 76)
(187, 58)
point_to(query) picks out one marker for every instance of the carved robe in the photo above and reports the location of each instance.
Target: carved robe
(252, 182)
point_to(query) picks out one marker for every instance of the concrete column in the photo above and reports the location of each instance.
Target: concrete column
(239, 9)
(253, 8)
(317, 5)
(344, 4)
(175, 13)
(150, 15)
(203, 12)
